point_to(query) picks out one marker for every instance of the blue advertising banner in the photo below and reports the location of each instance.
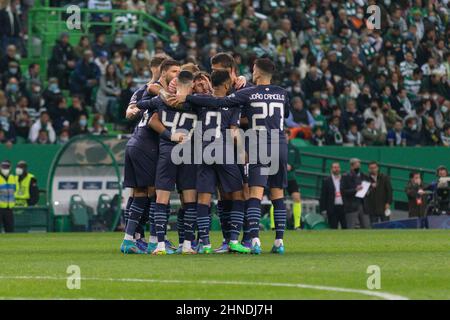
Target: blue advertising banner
(68, 185)
(92, 185)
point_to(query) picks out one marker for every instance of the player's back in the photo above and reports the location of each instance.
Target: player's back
(266, 109)
(143, 137)
(175, 120)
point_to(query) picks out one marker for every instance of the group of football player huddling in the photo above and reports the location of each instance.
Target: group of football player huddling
(177, 102)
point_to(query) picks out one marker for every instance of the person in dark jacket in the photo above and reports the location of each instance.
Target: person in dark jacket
(417, 199)
(85, 77)
(378, 200)
(62, 61)
(10, 28)
(354, 210)
(331, 200)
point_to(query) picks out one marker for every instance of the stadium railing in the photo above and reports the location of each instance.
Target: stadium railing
(45, 25)
(314, 167)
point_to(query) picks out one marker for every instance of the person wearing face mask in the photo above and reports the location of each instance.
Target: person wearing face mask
(27, 192)
(85, 77)
(8, 187)
(175, 48)
(331, 198)
(351, 183)
(80, 126)
(417, 199)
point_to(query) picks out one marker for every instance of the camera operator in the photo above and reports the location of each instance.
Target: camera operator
(440, 199)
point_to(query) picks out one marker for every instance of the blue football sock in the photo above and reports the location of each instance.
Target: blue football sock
(279, 215)
(236, 219)
(137, 209)
(203, 222)
(127, 211)
(180, 225)
(143, 222)
(151, 216)
(190, 216)
(160, 221)
(227, 206)
(246, 236)
(254, 216)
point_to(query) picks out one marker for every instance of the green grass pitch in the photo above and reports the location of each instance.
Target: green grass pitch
(414, 264)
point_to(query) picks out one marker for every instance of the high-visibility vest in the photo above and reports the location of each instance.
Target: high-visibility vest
(23, 190)
(7, 189)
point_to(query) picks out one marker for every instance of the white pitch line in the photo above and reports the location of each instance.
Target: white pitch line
(378, 294)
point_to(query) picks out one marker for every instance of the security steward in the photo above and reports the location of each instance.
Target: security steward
(27, 192)
(8, 187)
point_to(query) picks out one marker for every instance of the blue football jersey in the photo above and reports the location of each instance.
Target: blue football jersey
(265, 106)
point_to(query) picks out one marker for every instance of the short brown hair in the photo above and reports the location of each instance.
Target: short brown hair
(168, 63)
(157, 60)
(191, 67)
(224, 59)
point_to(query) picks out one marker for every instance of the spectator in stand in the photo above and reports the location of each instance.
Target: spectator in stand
(412, 134)
(52, 94)
(118, 46)
(11, 55)
(375, 113)
(62, 61)
(109, 93)
(136, 5)
(85, 77)
(175, 49)
(318, 138)
(43, 137)
(354, 137)
(371, 135)
(298, 115)
(80, 126)
(334, 136)
(140, 56)
(63, 137)
(11, 26)
(445, 135)
(98, 125)
(402, 104)
(32, 76)
(99, 46)
(83, 45)
(42, 124)
(76, 109)
(59, 115)
(396, 137)
(13, 91)
(7, 127)
(13, 71)
(102, 62)
(431, 135)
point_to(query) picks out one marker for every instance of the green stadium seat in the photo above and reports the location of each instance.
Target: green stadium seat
(103, 206)
(314, 221)
(78, 211)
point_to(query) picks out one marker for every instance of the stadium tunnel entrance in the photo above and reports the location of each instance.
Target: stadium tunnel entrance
(85, 184)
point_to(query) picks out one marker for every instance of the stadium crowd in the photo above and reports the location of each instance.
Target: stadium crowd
(349, 85)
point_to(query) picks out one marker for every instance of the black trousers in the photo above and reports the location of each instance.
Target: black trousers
(336, 217)
(376, 219)
(7, 220)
